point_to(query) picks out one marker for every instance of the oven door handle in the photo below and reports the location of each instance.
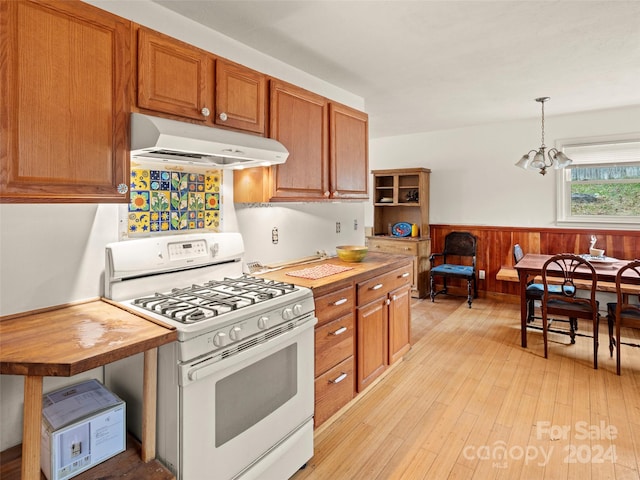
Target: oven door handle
(202, 371)
(216, 364)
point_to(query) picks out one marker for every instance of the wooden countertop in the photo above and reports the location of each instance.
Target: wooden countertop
(372, 265)
(72, 339)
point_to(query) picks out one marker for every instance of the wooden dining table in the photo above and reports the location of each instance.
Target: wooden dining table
(531, 266)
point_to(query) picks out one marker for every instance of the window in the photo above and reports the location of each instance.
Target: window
(602, 185)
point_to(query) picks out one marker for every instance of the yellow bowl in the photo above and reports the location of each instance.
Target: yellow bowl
(351, 253)
(596, 252)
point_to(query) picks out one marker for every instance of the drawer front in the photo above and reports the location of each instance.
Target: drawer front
(396, 247)
(334, 390)
(382, 284)
(335, 341)
(334, 305)
(401, 276)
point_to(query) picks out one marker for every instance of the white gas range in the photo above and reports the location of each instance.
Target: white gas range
(235, 392)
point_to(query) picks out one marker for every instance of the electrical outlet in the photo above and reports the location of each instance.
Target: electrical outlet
(481, 274)
(274, 235)
(355, 224)
(337, 227)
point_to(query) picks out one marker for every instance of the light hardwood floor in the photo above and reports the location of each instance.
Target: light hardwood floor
(468, 402)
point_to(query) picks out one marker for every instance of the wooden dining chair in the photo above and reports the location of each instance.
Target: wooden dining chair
(562, 269)
(536, 290)
(623, 313)
(457, 260)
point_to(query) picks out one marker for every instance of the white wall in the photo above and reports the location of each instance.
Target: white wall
(303, 229)
(474, 180)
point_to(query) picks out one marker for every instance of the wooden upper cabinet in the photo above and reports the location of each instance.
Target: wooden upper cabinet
(174, 77)
(349, 142)
(299, 120)
(241, 97)
(65, 85)
(328, 147)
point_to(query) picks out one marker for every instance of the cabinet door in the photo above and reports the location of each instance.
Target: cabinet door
(299, 121)
(372, 342)
(399, 323)
(241, 96)
(174, 77)
(65, 85)
(349, 160)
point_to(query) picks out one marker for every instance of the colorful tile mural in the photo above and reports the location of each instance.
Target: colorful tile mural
(165, 199)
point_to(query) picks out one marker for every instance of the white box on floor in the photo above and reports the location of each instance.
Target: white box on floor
(82, 425)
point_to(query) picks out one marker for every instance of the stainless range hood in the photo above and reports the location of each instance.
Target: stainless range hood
(170, 141)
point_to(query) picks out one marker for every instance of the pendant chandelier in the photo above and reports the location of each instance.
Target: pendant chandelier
(543, 159)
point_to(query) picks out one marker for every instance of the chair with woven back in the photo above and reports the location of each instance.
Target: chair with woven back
(535, 292)
(563, 269)
(623, 313)
(458, 261)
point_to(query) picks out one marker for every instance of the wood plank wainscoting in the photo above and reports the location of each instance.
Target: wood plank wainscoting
(495, 249)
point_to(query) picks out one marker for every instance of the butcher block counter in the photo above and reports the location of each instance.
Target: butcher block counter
(65, 341)
(372, 265)
(364, 324)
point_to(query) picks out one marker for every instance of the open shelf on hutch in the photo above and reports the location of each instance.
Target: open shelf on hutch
(401, 195)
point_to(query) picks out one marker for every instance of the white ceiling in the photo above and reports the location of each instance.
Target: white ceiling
(431, 65)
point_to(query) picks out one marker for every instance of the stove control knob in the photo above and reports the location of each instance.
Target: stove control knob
(220, 339)
(297, 309)
(235, 333)
(263, 322)
(287, 314)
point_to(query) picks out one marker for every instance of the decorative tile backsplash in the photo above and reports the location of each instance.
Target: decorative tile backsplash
(173, 198)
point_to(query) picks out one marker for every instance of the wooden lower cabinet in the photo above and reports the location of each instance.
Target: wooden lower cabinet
(372, 342)
(335, 352)
(363, 327)
(399, 323)
(383, 323)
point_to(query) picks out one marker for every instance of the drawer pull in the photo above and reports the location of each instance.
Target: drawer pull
(376, 287)
(339, 331)
(342, 301)
(339, 379)
(404, 275)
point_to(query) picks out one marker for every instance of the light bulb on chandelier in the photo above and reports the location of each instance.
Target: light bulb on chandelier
(543, 159)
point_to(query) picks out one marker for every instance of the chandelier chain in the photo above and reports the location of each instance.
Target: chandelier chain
(542, 124)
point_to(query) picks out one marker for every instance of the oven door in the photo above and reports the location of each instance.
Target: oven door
(237, 410)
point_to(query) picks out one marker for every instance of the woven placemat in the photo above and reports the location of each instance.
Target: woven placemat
(319, 271)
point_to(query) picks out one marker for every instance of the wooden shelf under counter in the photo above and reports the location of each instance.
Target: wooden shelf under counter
(67, 340)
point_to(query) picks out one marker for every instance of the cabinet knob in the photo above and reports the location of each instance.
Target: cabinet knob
(205, 112)
(123, 188)
(326, 194)
(223, 116)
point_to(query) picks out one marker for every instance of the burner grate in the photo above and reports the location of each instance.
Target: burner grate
(199, 302)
